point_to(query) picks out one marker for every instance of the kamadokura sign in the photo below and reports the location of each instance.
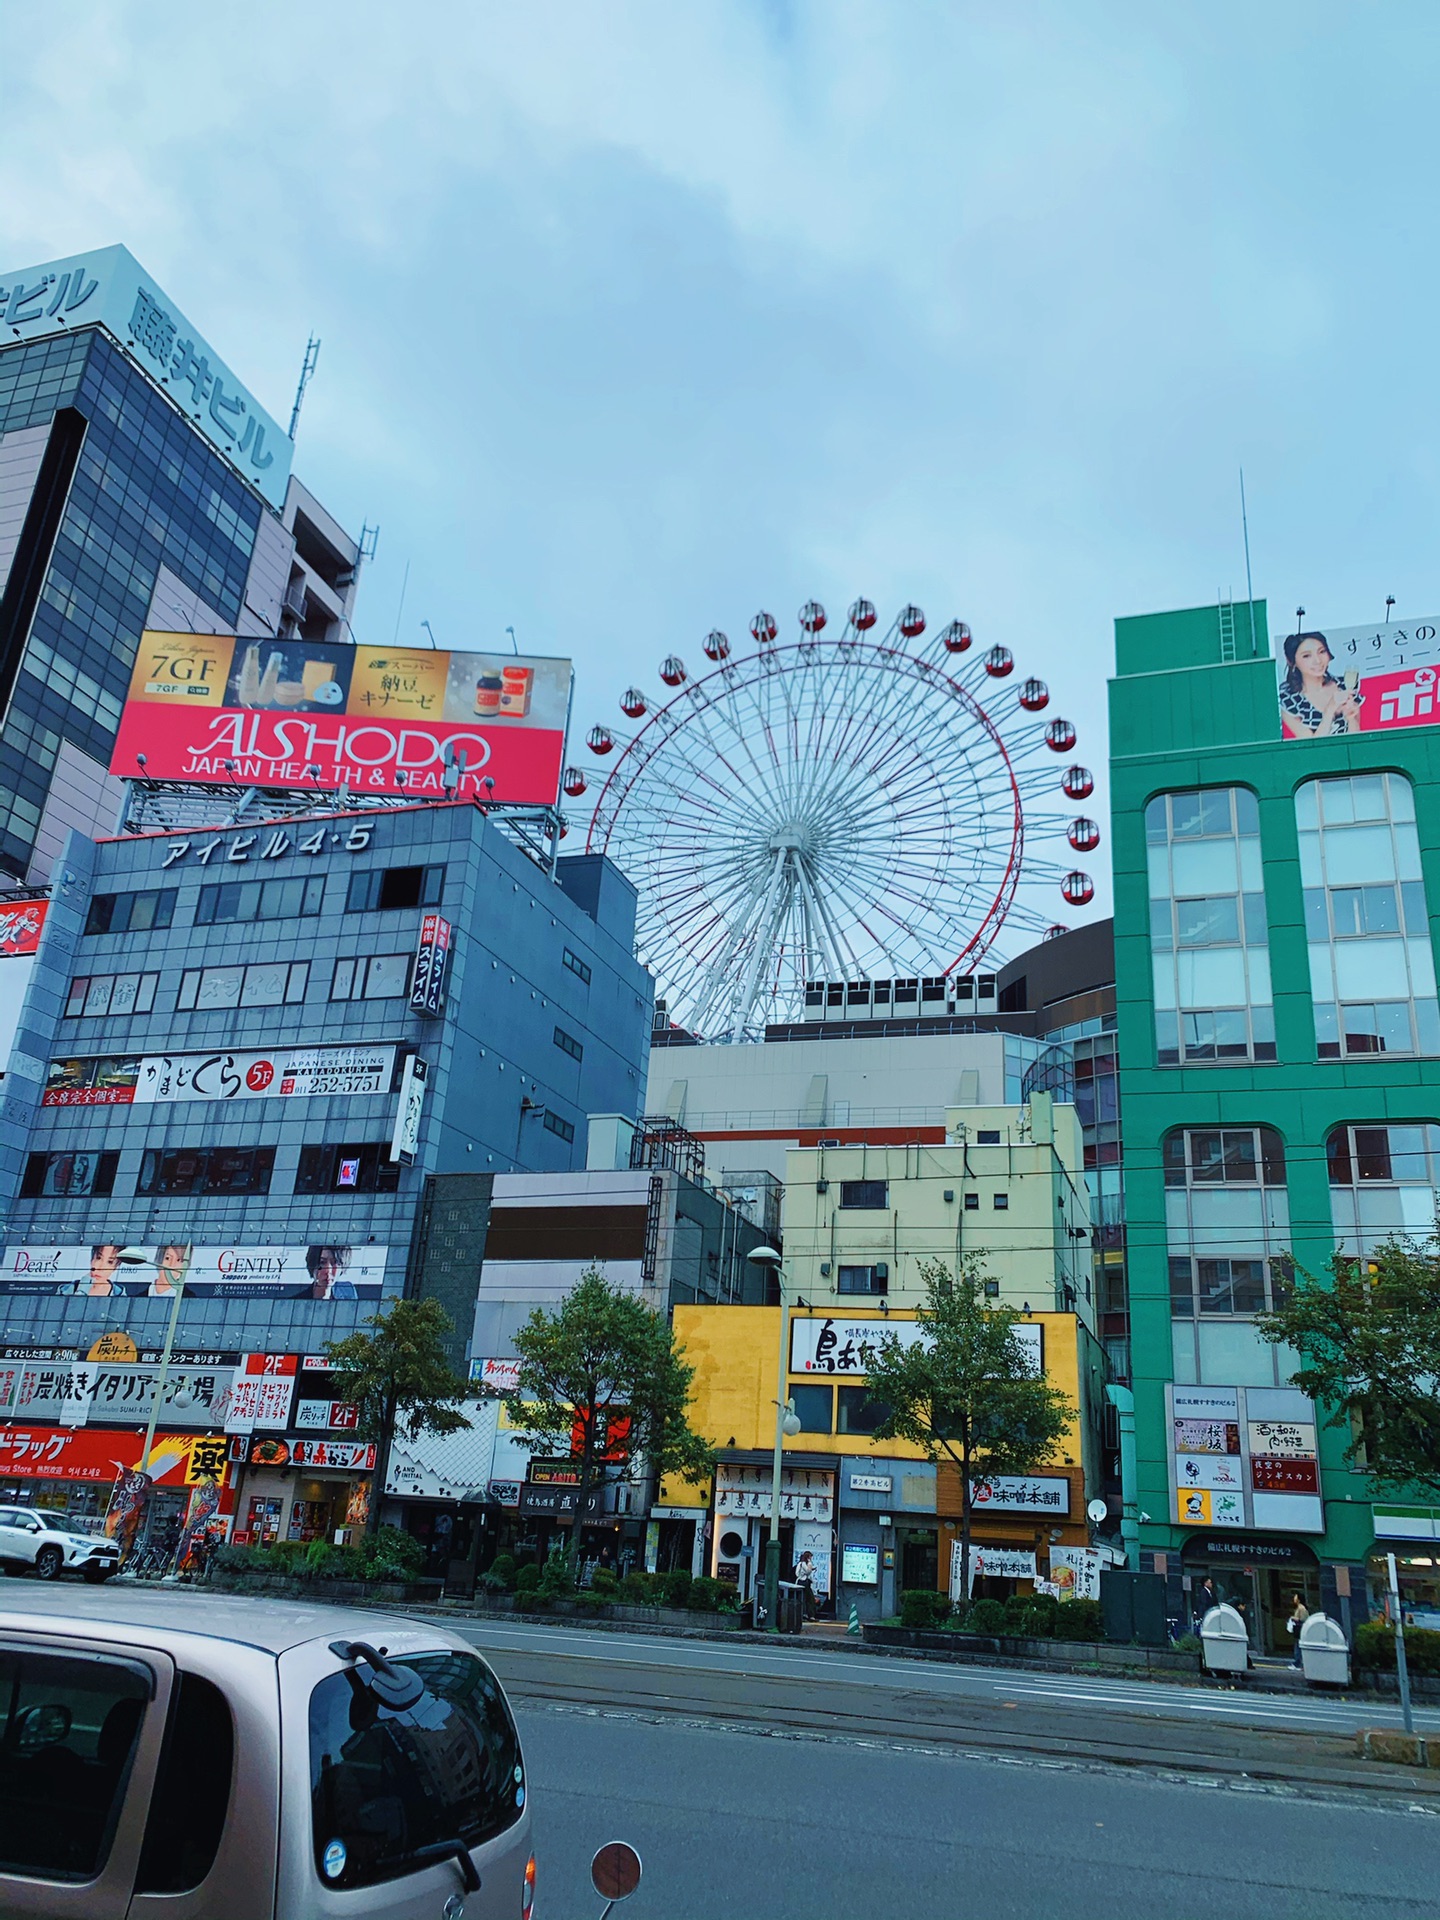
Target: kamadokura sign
(168, 1078)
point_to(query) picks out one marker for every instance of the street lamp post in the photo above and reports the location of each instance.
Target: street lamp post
(786, 1422)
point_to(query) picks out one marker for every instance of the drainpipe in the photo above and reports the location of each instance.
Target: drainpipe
(1123, 1401)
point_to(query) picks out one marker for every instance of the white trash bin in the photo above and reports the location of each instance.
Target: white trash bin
(1223, 1637)
(1324, 1655)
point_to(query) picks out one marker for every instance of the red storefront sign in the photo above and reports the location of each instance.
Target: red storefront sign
(1274, 1473)
(96, 1454)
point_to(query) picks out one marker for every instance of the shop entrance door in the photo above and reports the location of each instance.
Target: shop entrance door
(919, 1559)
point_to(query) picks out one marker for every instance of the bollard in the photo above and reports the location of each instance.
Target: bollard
(854, 1626)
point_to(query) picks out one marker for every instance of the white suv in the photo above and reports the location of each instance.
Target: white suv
(27, 1539)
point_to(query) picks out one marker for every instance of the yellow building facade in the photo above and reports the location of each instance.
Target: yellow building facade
(875, 1515)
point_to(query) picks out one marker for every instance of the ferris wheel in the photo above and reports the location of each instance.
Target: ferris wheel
(836, 807)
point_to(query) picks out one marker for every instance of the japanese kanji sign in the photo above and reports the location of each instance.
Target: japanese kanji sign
(844, 1346)
(74, 1393)
(108, 289)
(91, 1453)
(320, 715)
(1011, 1493)
(162, 1079)
(427, 988)
(21, 925)
(1349, 680)
(1244, 1457)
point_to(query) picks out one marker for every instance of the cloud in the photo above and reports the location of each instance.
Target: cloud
(638, 317)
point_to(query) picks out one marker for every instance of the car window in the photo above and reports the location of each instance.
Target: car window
(67, 1739)
(192, 1790)
(384, 1784)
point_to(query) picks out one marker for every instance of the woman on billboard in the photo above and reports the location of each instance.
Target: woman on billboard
(1314, 702)
(172, 1263)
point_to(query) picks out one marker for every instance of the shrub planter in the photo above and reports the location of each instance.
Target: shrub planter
(282, 1586)
(1006, 1647)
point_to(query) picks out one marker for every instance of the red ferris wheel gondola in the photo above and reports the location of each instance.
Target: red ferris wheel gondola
(1078, 888)
(1034, 696)
(574, 782)
(1060, 736)
(1078, 783)
(1083, 834)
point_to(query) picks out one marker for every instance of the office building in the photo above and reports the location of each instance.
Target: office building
(141, 486)
(1277, 873)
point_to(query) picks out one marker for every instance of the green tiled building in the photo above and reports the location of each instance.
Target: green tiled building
(1280, 1081)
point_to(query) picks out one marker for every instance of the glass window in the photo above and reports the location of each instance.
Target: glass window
(358, 1166)
(386, 889)
(131, 912)
(860, 1280)
(1227, 1218)
(815, 1407)
(1384, 1183)
(857, 1412)
(1372, 967)
(864, 1193)
(555, 1123)
(377, 976)
(259, 900)
(567, 1043)
(192, 1791)
(385, 1786)
(205, 1170)
(69, 1731)
(101, 993)
(1208, 937)
(582, 973)
(69, 1176)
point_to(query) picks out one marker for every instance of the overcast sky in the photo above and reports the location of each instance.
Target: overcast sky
(638, 317)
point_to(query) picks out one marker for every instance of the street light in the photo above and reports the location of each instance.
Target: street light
(787, 1421)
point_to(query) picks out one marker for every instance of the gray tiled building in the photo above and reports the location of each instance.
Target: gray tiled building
(244, 1101)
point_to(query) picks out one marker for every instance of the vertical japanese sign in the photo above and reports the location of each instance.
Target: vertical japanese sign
(405, 1140)
(1245, 1457)
(432, 954)
(261, 1392)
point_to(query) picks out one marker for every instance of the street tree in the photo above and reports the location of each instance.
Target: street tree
(1368, 1338)
(401, 1380)
(600, 1359)
(967, 1391)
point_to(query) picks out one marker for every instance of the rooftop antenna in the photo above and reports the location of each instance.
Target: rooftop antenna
(1389, 602)
(431, 631)
(1249, 587)
(401, 608)
(514, 646)
(312, 355)
(1299, 616)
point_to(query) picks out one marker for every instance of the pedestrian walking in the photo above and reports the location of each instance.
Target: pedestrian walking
(805, 1580)
(1205, 1598)
(1299, 1614)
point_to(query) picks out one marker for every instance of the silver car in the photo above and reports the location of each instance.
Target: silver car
(195, 1755)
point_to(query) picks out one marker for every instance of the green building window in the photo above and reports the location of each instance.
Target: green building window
(1208, 940)
(1384, 1183)
(1226, 1218)
(1372, 970)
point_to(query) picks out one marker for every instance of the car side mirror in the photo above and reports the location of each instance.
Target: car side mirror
(615, 1872)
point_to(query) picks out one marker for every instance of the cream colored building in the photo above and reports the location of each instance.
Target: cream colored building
(1008, 1183)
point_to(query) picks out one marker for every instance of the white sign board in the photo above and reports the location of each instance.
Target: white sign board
(1075, 1572)
(859, 1565)
(845, 1344)
(1015, 1493)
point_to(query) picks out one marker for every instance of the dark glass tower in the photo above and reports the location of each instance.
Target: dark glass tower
(110, 484)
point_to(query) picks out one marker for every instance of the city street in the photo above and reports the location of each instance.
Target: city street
(734, 1826)
(829, 1690)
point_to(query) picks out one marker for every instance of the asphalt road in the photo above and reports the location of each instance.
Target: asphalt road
(738, 1825)
(1274, 1737)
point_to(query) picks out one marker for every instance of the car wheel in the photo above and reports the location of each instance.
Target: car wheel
(48, 1563)
(96, 1574)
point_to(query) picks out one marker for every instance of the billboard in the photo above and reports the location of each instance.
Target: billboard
(98, 1454)
(1348, 680)
(71, 1393)
(108, 288)
(1244, 1457)
(323, 1272)
(21, 924)
(212, 708)
(161, 1079)
(840, 1346)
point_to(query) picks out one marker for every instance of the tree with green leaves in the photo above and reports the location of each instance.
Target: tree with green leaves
(967, 1390)
(603, 1357)
(400, 1379)
(1368, 1338)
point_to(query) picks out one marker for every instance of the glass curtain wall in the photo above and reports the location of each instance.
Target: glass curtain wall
(1207, 928)
(1227, 1216)
(1372, 969)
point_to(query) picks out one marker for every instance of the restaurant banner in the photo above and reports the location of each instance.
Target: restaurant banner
(165, 1079)
(842, 1344)
(75, 1392)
